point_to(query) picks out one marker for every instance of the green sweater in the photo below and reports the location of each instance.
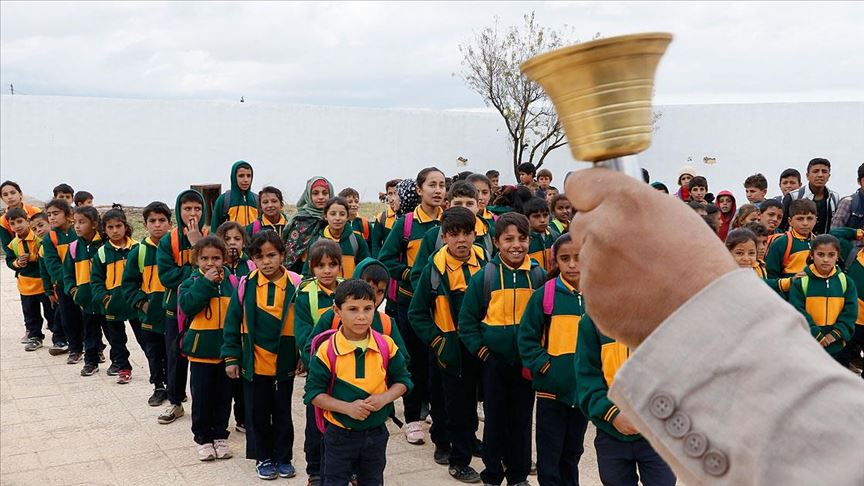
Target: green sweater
(598, 359)
(399, 255)
(776, 260)
(547, 343)
(254, 337)
(141, 285)
(493, 327)
(540, 248)
(380, 231)
(55, 255)
(106, 277)
(856, 274)
(174, 256)
(205, 304)
(242, 205)
(433, 314)
(29, 277)
(309, 296)
(432, 242)
(353, 246)
(76, 274)
(826, 305)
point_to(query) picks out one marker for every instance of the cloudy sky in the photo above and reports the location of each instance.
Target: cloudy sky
(404, 55)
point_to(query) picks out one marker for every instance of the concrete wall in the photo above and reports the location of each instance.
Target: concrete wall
(135, 151)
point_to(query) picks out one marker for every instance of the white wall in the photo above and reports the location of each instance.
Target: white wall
(134, 151)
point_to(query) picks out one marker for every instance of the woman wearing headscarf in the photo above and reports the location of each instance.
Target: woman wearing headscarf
(307, 223)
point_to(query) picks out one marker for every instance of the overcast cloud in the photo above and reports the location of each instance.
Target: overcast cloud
(404, 54)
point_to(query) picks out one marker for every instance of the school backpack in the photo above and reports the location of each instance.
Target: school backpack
(176, 253)
(805, 282)
(241, 284)
(329, 335)
(490, 273)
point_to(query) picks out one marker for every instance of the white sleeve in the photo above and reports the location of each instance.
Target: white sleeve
(732, 389)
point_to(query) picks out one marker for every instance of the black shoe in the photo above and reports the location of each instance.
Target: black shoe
(442, 455)
(74, 358)
(89, 369)
(465, 474)
(158, 397)
(33, 344)
(113, 370)
(58, 348)
(477, 448)
(314, 480)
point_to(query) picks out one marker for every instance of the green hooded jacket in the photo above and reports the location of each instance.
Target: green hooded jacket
(174, 254)
(242, 206)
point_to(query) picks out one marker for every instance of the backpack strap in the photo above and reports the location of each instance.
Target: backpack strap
(241, 287)
(334, 323)
(73, 247)
(382, 218)
(549, 296)
(439, 241)
(843, 282)
(788, 252)
(386, 324)
(317, 341)
(54, 238)
(352, 238)
(142, 254)
(100, 254)
(487, 243)
(490, 273)
(407, 226)
(535, 275)
(383, 347)
(226, 202)
(256, 226)
(365, 224)
(313, 301)
(805, 282)
(175, 247)
(294, 278)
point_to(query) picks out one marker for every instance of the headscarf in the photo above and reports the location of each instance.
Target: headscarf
(304, 225)
(408, 197)
(305, 206)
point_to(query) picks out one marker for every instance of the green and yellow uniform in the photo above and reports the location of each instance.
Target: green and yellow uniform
(6, 233)
(55, 246)
(174, 255)
(353, 246)
(540, 248)
(830, 304)
(205, 304)
(242, 206)
(141, 285)
(29, 277)
(433, 241)
(76, 274)
(787, 254)
(399, 254)
(106, 278)
(311, 302)
(381, 230)
(264, 224)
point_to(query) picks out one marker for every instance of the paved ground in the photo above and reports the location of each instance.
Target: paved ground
(57, 427)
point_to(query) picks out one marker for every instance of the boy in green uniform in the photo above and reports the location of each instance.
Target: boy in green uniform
(55, 246)
(239, 203)
(787, 255)
(540, 248)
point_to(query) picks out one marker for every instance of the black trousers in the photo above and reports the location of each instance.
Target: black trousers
(312, 444)
(238, 395)
(361, 452)
(617, 463)
(32, 306)
(176, 365)
(460, 402)
(154, 350)
(418, 365)
(269, 425)
(115, 332)
(560, 433)
(508, 403)
(438, 432)
(94, 325)
(55, 322)
(73, 322)
(211, 401)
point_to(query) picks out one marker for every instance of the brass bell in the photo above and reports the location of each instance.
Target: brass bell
(602, 92)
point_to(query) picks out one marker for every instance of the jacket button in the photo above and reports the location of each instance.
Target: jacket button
(662, 406)
(678, 425)
(715, 463)
(695, 444)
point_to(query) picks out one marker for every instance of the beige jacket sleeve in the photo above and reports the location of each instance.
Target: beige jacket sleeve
(732, 390)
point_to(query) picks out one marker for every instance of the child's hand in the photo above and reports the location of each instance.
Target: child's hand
(193, 234)
(828, 340)
(623, 425)
(301, 368)
(53, 299)
(377, 401)
(233, 371)
(213, 275)
(358, 409)
(800, 274)
(22, 260)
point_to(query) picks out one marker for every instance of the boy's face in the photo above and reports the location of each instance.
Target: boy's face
(40, 227)
(353, 206)
(87, 202)
(157, 225)
(818, 176)
(209, 258)
(745, 254)
(803, 223)
(526, 178)
(271, 206)
(20, 227)
(762, 247)
(698, 193)
(11, 196)
(234, 242)
(115, 230)
(465, 202)
(244, 178)
(716, 218)
(754, 194)
(380, 291)
(484, 192)
(825, 258)
(551, 194)
(56, 217)
(191, 211)
(356, 316)
(539, 221)
(459, 243)
(268, 260)
(512, 246)
(562, 211)
(494, 181)
(83, 226)
(771, 217)
(544, 181)
(725, 204)
(66, 196)
(393, 198)
(789, 184)
(337, 216)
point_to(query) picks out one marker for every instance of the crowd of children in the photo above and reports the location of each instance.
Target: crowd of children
(479, 286)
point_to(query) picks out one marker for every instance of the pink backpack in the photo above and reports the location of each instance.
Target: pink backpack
(549, 296)
(329, 335)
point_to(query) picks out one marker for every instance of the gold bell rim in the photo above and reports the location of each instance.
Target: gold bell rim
(588, 46)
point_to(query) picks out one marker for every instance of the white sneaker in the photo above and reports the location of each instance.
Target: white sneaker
(223, 450)
(206, 452)
(414, 433)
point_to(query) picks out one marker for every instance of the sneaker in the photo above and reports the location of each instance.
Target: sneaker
(74, 358)
(477, 449)
(266, 470)
(89, 369)
(58, 348)
(206, 452)
(25, 339)
(314, 480)
(33, 344)
(286, 470)
(242, 429)
(442, 455)
(414, 433)
(465, 474)
(124, 377)
(101, 357)
(113, 370)
(158, 397)
(223, 450)
(171, 414)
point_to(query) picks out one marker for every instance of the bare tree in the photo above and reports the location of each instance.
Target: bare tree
(490, 66)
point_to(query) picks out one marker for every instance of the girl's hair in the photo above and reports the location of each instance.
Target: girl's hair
(265, 237)
(209, 241)
(39, 215)
(514, 197)
(825, 240)
(61, 204)
(271, 190)
(111, 215)
(227, 226)
(556, 200)
(341, 201)
(10, 183)
(90, 213)
(349, 192)
(556, 247)
(738, 236)
(757, 228)
(743, 212)
(324, 248)
(512, 219)
(423, 174)
(480, 178)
